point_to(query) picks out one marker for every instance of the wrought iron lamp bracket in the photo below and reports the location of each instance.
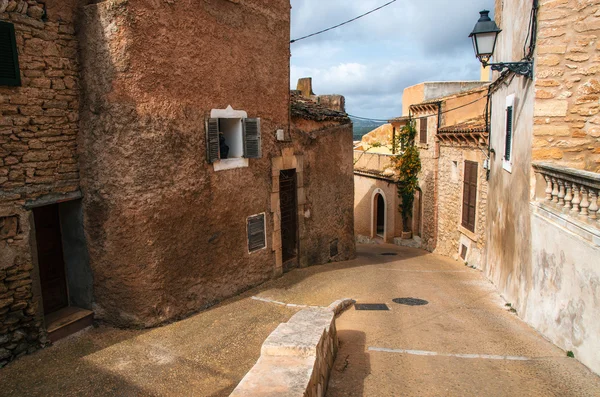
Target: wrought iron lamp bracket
(524, 68)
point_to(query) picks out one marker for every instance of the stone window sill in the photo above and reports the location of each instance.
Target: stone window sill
(469, 234)
(229, 164)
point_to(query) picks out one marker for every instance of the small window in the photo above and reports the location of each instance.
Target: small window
(469, 207)
(509, 134)
(257, 238)
(233, 138)
(423, 130)
(9, 58)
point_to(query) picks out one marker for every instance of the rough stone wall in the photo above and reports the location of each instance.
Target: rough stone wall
(428, 176)
(567, 105)
(329, 189)
(167, 234)
(451, 235)
(38, 159)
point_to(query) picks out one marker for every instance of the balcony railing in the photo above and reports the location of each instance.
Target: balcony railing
(570, 191)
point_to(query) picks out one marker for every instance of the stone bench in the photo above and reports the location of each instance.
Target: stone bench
(297, 358)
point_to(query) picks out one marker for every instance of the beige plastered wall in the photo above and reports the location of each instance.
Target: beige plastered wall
(365, 191)
(549, 274)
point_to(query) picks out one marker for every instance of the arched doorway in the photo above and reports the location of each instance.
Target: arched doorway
(380, 215)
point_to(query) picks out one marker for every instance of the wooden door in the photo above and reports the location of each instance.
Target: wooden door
(50, 258)
(289, 214)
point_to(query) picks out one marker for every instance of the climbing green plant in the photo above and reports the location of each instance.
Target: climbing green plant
(407, 166)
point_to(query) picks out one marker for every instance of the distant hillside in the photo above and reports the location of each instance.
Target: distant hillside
(363, 127)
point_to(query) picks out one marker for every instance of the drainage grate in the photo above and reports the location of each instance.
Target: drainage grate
(371, 306)
(389, 254)
(410, 301)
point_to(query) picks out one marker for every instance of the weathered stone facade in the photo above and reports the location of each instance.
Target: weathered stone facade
(111, 115)
(567, 87)
(38, 159)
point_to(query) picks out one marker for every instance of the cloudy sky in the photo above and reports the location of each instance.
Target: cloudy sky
(373, 59)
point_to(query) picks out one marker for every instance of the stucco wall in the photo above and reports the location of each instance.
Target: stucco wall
(508, 236)
(563, 302)
(167, 234)
(329, 189)
(38, 160)
(451, 234)
(365, 189)
(548, 273)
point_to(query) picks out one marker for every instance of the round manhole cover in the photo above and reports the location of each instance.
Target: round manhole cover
(389, 254)
(410, 301)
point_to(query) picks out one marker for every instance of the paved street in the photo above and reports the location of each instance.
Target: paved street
(464, 342)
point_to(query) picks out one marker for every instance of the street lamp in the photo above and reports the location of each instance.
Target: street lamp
(484, 36)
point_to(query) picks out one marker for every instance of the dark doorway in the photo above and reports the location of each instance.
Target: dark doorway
(289, 217)
(50, 258)
(380, 215)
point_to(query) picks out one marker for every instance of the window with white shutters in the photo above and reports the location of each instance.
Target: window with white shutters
(9, 58)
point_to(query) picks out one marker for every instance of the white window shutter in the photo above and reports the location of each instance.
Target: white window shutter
(212, 140)
(252, 139)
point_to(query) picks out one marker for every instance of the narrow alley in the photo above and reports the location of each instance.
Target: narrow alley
(464, 341)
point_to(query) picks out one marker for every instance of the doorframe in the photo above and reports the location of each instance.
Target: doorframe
(374, 214)
(287, 161)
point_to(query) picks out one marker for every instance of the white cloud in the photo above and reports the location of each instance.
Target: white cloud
(372, 60)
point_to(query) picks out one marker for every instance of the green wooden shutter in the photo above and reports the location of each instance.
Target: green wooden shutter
(469, 207)
(212, 140)
(256, 232)
(252, 139)
(509, 133)
(9, 58)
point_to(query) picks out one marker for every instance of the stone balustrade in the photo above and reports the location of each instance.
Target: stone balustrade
(570, 191)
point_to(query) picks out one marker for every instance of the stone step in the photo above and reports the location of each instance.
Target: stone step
(67, 321)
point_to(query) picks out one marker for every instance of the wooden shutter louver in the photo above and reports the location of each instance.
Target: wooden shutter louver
(509, 133)
(252, 139)
(256, 232)
(423, 130)
(469, 196)
(9, 58)
(212, 140)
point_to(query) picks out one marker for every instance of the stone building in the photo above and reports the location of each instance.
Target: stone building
(451, 205)
(543, 234)
(142, 180)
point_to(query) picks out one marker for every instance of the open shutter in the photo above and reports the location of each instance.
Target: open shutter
(212, 140)
(256, 232)
(9, 58)
(509, 133)
(252, 141)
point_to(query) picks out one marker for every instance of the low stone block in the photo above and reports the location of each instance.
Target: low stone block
(293, 339)
(277, 376)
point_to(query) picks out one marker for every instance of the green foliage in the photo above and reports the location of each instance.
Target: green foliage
(408, 166)
(376, 144)
(570, 354)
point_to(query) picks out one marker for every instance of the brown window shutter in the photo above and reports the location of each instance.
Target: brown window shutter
(423, 130)
(256, 232)
(10, 74)
(212, 140)
(252, 139)
(469, 207)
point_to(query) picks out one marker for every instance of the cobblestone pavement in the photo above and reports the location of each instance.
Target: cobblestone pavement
(463, 342)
